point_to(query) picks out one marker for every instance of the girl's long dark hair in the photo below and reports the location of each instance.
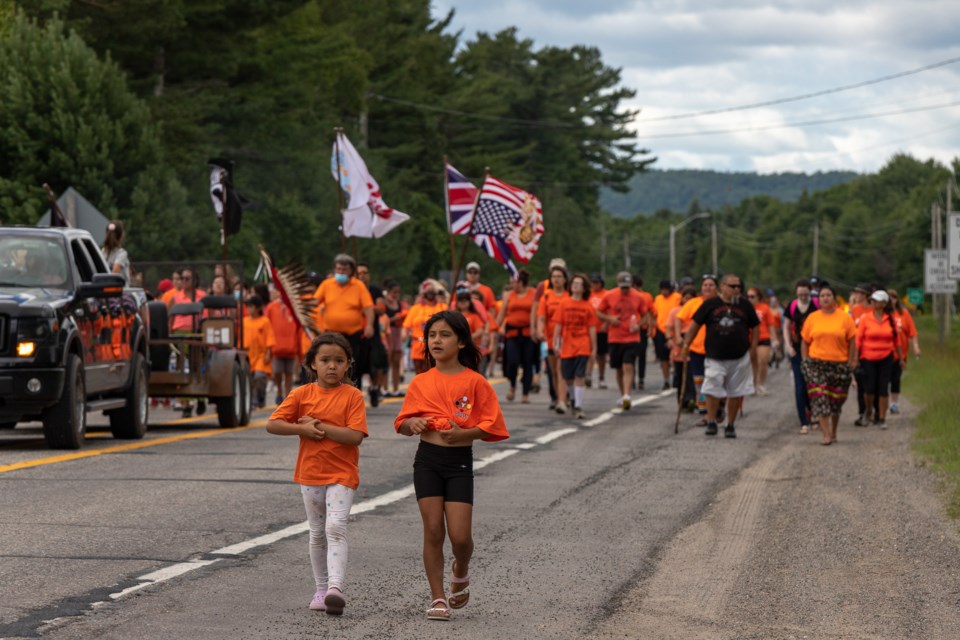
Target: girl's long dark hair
(469, 355)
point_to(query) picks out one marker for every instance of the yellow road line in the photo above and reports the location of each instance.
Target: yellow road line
(67, 457)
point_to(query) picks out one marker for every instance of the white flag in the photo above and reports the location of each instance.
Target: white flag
(366, 214)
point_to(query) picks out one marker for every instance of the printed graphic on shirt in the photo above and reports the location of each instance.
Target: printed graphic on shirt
(463, 407)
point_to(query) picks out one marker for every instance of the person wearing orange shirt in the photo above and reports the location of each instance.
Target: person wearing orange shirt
(259, 342)
(767, 340)
(859, 305)
(330, 420)
(395, 310)
(467, 305)
(177, 281)
(449, 406)
(597, 292)
(474, 284)
(647, 329)
(674, 336)
(519, 349)
(416, 319)
(878, 346)
(908, 336)
(667, 300)
(575, 340)
(829, 353)
(623, 309)
(697, 362)
(545, 308)
(347, 308)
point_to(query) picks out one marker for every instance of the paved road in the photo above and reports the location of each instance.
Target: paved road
(613, 527)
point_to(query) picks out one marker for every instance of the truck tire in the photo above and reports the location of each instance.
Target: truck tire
(230, 407)
(65, 424)
(246, 407)
(130, 422)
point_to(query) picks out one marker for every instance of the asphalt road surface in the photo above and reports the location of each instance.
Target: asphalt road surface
(612, 527)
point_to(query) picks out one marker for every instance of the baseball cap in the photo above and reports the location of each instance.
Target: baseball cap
(624, 279)
(473, 265)
(558, 262)
(686, 280)
(880, 296)
(862, 288)
(164, 285)
(666, 284)
(596, 277)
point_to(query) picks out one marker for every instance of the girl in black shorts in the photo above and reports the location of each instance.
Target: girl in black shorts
(449, 406)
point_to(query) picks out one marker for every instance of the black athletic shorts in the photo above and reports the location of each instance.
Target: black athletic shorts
(575, 367)
(603, 348)
(624, 352)
(445, 472)
(660, 346)
(876, 376)
(763, 343)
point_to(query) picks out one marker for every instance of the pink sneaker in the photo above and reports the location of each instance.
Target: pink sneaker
(317, 603)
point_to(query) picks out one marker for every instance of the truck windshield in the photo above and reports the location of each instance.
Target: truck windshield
(31, 262)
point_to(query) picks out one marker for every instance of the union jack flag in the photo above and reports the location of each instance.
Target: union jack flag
(511, 215)
(460, 197)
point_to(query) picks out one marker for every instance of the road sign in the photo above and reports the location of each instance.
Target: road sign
(915, 296)
(953, 245)
(936, 279)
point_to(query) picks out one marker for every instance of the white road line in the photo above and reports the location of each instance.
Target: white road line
(181, 568)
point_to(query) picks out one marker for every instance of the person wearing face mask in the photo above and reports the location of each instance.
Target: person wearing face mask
(346, 306)
(417, 317)
(794, 316)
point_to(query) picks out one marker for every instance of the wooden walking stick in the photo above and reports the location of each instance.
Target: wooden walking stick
(683, 392)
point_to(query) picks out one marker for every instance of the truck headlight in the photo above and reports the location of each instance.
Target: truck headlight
(26, 349)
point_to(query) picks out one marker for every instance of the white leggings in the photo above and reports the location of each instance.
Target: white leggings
(328, 541)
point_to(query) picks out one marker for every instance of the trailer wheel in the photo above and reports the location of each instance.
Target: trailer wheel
(230, 408)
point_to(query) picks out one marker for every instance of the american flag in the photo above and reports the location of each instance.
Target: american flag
(461, 195)
(511, 215)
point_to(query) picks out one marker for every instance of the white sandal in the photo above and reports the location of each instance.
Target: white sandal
(462, 596)
(439, 610)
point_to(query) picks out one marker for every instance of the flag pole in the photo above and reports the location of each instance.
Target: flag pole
(336, 146)
(453, 246)
(54, 207)
(223, 221)
(473, 214)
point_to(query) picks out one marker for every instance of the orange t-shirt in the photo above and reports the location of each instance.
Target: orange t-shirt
(474, 321)
(257, 338)
(699, 344)
(907, 329)
(662, 305)
(168, 296)
(466, 398)
(876, 339)
(546, 308)
(765, 315)
(343, 306)
(828, 335)
(184, 323)
(285, 330)
(416, 317)
(647, 305)
(574, 317)
(856, 312)
(622, 306)
(596, 297)
(517, 317)
(324, 461)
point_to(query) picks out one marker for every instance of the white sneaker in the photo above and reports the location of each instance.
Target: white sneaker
(561, 407)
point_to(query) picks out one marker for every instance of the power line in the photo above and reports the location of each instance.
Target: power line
(808, 123)
(806, 96)
(480, 116)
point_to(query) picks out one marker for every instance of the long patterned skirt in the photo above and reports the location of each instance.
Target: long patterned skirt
(827, 386)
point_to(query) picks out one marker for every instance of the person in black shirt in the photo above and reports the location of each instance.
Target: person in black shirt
(372, 355)
(794, 315)
(728, 319)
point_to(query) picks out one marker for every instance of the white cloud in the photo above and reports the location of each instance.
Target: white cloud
(695, 55)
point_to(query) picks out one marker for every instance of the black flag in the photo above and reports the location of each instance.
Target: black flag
(57, 219)
(221, 176)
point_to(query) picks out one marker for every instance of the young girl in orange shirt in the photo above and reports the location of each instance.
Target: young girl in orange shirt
(449, 406)
(330, 418)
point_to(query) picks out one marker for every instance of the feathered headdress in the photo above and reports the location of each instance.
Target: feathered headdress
(296, 292)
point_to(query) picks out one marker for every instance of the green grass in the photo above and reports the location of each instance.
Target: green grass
(933, 383)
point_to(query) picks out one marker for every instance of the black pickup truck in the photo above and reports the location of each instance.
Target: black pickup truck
(73, 337)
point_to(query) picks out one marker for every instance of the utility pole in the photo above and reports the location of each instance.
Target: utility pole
(816, 247)
(947, 298)
(603, 249)
(673, 257)
(626, 252)
(713, 235)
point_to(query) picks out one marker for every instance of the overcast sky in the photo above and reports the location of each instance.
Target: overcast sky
(697, 55)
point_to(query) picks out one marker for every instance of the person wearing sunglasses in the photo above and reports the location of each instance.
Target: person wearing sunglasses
(730, 348)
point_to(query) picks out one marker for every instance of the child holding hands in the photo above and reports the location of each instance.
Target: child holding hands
(331, 421)
(449, 406)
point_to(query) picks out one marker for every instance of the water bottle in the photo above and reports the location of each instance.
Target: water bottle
(172, 364)
(634, 324)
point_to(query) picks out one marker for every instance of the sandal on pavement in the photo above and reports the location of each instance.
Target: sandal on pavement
(511, 394)
(458, 599)
(804, 430)
(702, 422)
(439, 610)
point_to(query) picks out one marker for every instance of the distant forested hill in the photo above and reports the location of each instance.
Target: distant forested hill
(675, 189)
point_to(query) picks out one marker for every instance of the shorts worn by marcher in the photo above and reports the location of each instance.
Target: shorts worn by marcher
(603, 347)
(445, 472)
(624, 353)
(660, 347)
(575, 367)
(283, 365)
(728, 378)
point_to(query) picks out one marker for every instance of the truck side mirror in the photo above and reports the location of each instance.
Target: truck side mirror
(104, 285)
